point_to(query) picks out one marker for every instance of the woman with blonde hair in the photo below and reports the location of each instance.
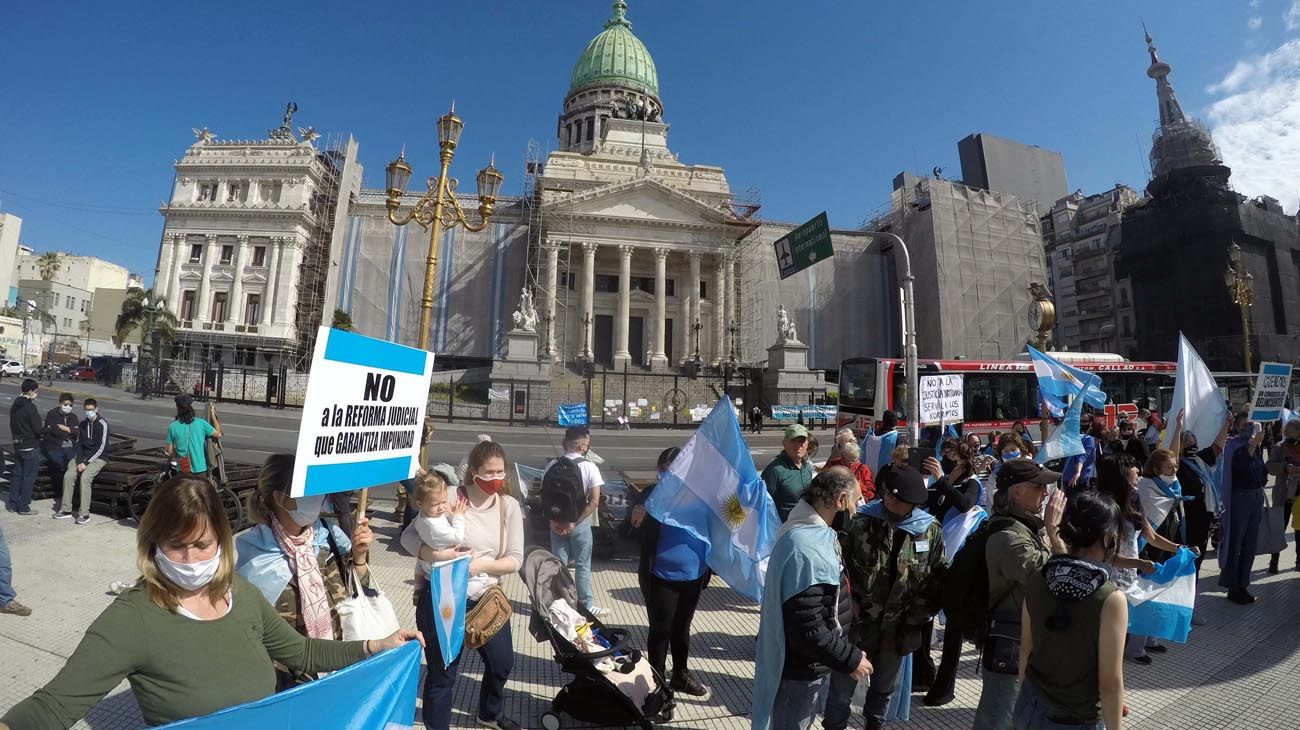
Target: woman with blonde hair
(193, 636)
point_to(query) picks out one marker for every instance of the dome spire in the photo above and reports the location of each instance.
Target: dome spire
(1180, 143)
(1171, 112)
(618, 15)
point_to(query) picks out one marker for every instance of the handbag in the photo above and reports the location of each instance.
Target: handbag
(493, 608)
(1002, 645)
(366, 613)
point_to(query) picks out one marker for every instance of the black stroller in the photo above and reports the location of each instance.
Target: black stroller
(632, 694)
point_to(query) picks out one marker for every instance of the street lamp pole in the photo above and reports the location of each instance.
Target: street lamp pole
(1241, 286)
(909, 335)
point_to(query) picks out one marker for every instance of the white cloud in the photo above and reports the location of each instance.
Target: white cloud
(1255, 23)
(1255, 123)
(1254, 3)
(1292, 16)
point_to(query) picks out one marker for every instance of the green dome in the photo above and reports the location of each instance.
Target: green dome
(616, 58)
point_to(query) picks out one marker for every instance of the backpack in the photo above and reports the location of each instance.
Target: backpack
(563, 494)
(966, 584)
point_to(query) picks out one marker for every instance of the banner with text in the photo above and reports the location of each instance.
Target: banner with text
(1270, 392)
(571, 414)
(941, 399)
(363, 415)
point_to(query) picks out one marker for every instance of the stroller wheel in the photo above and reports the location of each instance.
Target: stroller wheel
(551, 721)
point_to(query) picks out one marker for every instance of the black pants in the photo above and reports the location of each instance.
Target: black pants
(1286, 521)
(942, 681)
(1198, 527)
(670, 606)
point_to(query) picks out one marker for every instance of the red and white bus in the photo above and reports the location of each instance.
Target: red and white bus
(997, 393)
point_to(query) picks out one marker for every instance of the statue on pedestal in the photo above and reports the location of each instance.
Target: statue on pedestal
(785, 329)
(526, 316)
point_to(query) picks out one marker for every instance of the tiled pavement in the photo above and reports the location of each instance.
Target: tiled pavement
(1242, 670)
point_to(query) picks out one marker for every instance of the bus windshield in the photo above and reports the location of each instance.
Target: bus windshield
(858, 384)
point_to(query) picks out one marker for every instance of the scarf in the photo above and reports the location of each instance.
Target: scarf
(1070, 580)
(313, 601)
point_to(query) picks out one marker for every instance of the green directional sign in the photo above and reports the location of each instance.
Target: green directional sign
(804, 246)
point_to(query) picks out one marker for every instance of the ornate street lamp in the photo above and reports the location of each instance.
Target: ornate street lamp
(438, 208)
(1241, 287)
(697, 327)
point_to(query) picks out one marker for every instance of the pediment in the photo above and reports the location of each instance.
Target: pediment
(644, 199)
(254, 278)
(222, 276)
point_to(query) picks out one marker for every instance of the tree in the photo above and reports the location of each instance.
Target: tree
(135, 314)
(342, 321)
(49, 264)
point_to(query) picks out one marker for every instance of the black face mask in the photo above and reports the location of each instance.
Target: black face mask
(948, 465)
(841, 521)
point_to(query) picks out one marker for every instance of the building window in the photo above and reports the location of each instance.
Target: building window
(259, 256)
(219, 306)
(227, 254)
(591, 129)
(704, 290)
(207, 192)
(570, 280)
(245, 355)
(196, 253)
(607, 283)
(71, 302)
(232, 192)
(253, 309)
(187, 305)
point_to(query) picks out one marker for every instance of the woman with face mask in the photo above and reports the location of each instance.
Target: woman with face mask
(1072, 626)
(494, 535)
(302, 565)
(672, 574)
(1284, 464)
(193, 636)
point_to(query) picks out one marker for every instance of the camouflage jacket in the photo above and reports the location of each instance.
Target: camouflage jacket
(337, 587)
(896, 579)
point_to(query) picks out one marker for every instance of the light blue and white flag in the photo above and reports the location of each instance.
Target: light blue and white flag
(713, 492)
(876, 450)
(1160, 604)
(570, 414)
(1057, 382)
(448, 591)
(1065, 441)
(378, 692)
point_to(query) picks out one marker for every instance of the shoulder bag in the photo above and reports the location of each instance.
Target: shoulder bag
(365, 613)
(493, 608)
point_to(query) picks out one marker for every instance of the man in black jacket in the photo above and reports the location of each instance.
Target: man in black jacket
(92, 455)
(811, 638)
(25, 425)
(1129, 443)
(57, 440)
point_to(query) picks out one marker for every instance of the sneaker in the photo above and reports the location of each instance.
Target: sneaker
(934, 700)
(686, 683)
(62, 515)
(1144, 660)
(597, 611)
(1157, 648)
(82, 519)
(16, 609)
(500, 723)
(27, 512)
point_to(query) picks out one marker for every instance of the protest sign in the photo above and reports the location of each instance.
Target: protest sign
(1270, 392)
(363, 415)
(941, 399)
(571, 414)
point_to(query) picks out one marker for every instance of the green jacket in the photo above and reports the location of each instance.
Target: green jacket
(896, 573)
(1014, 553)
(786, 482)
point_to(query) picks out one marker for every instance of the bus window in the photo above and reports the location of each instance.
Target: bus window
(858, 384)
(998, 397)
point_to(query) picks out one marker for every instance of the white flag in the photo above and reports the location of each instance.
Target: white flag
(1197, 396)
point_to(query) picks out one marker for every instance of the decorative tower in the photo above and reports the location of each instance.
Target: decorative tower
(1180, 144)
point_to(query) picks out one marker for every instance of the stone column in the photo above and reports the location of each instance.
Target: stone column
(180, 254)
(289, 297)
(588, 296)
(729, 264)
(684, 323)
(201, 303)
(658, 358)
(720, 311)
(622, 323)
(273, 272)
(694, 295)
(235, 315)
(162, 278)
(552, 293)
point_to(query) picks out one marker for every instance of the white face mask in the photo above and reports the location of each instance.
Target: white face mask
(187, 576)
(1167, 479)
(306, 510)
(65, 409)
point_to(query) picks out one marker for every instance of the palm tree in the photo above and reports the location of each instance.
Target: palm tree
(342, 321)
(136, 313)
(49, 264)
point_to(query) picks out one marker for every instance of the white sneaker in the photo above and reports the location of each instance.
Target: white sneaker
(597, 611)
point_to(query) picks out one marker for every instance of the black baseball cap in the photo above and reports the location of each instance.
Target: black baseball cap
(905, 483)
(1018, 471)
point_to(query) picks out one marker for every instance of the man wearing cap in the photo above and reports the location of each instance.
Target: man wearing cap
(893, 552)
(25, 425)
(790, 473)
(1023, 538)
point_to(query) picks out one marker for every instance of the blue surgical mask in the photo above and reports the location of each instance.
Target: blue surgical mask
(91, 415)
(1010, 454)
(306, 510)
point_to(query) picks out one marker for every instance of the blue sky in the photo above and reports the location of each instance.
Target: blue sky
(817, 104)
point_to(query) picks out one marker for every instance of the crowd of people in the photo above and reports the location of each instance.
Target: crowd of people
(863, 564)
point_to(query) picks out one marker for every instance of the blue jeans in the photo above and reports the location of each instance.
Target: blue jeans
(795, 705)
(884, 675)
(997, 701)
(6, 572)
(1036, 712)
(1244, 514)
(22, 479)
(58, 458)
(576, 546)
(498, 657)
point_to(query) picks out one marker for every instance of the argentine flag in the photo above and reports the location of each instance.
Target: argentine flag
(713, 492)
(448, 590)
(1160, 604)
(1057, 382)
(876, 450)
(378, 692)
(1064, 441)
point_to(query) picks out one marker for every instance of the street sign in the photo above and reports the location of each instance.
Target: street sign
(804, 246)
(1270, 392)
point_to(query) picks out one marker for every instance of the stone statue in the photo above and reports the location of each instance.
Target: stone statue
(203, 136)
(308, 134)
(791, 334)
(526, 316)
(289, 110)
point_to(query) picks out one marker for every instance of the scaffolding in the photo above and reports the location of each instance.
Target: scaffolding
(750, 252)
(310, 310)
(536, 195)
